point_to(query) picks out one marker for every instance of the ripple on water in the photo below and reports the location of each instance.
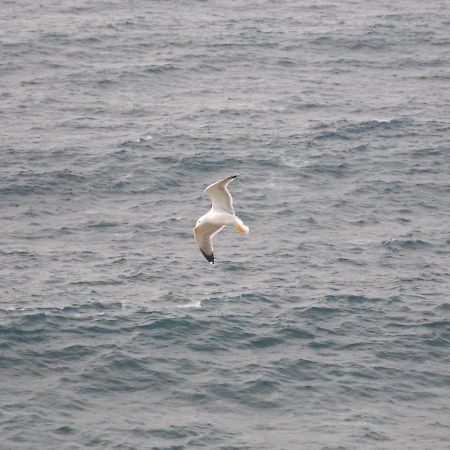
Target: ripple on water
(395, 245)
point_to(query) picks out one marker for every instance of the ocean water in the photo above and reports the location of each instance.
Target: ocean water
(327, 327)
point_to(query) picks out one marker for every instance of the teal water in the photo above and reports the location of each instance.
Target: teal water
(328, 327)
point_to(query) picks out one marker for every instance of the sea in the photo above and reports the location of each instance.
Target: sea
(327, 327)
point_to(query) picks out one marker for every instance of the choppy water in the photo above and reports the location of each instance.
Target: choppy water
(327, 327)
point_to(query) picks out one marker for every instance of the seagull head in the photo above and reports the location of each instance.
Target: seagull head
(199, 222)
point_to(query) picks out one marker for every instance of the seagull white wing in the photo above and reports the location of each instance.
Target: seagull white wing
(203, 237)
(220, 195)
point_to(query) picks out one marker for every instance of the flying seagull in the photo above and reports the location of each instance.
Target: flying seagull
(218, 217)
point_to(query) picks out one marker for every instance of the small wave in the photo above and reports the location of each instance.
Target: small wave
(146, 138)
(24, 189)
(205, 161)
(444, 307)
(161, 68)
(320, 312)
(291, 162)
(336, 170)
(89, 306)
(181, 325)
(408, 244)
(102, 224)
(353, 43)
(261, 386)
(246, 396)
(438, 324)
(266, 341)
(138, 140)
(352, 262)
(234, 267)
(295, 333)
(166, 159)
(351, 298)
(350, 130)
(426, 152)
(192, 304)
(96, 282)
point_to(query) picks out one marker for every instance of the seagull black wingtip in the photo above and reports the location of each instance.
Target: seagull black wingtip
(209, 258)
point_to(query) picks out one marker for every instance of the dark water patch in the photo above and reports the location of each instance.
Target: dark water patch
(396, 245)
(102, 224)
(253, 297)
(66, 354)
(105, 82)
(168, 331)
(302, 371)
(205, 68)
(295, 333)
(285, 212)
(332, 135)
(376, 436)
(161, 69)
(24, 189)
(67, 174)
(44, 183)
(89, 306)
(170, 433)
(171, 323)
(321, 344)
(65, 430)
(320, 312)
(346, 130)
(107, 381)
(436, 324)
(352, 262)
(439, 341)
(97, 282)
(418, 170)
(224, 337)
(389, 124)
(266, 341)
(403, 355)
(16, 334)
(169, 160)
(98, 328)
(235, 267)
(351, 298)
(261, 386)
(128, 364)
(211, 345)
(338, 170)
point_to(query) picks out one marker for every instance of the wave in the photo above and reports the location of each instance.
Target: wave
(407, 244)
(346, 130)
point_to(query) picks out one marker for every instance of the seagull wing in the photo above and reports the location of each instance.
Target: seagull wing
(203, 236)
(220, 195)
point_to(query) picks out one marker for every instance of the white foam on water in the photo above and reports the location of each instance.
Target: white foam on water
(193, 304)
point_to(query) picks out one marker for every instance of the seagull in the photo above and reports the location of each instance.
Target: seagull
(217, 218)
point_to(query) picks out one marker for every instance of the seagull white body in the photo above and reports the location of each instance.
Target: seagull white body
(219, 216)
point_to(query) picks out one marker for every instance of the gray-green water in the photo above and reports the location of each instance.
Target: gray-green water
(327, 327)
